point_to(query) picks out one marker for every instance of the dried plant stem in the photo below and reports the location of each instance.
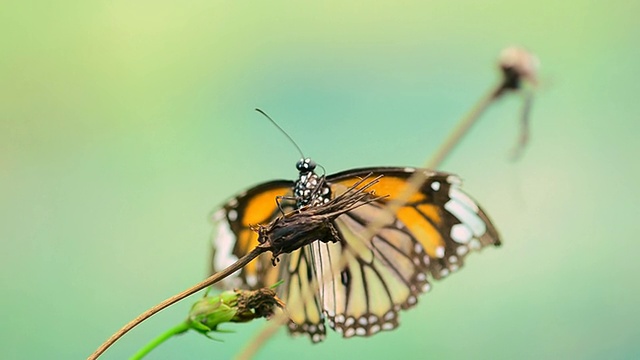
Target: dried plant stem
(174, 299)
(463, 127)
(419, 177)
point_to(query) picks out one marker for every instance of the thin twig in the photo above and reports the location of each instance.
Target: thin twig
(463, 127)
(172, 300)
(419, 177)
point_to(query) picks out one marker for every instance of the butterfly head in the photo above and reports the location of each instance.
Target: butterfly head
(305, 166)
(310, 189)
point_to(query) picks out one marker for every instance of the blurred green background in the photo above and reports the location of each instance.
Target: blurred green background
(124, 124)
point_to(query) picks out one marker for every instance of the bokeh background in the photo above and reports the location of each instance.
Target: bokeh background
(124, 124)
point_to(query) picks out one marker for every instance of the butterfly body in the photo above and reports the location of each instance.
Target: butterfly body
(309, 189)
(362, 281)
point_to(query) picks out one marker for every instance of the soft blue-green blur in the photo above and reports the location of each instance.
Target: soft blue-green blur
(124, 124)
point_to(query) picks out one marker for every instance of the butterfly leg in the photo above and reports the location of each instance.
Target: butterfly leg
(286, 198)
(335, 235)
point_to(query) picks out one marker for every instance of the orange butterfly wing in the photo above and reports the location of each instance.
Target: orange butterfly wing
(365, 282)
(233, 238)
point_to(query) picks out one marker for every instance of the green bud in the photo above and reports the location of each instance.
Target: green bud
(210, 311)
(232, 306)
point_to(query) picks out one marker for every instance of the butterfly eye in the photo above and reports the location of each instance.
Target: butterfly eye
(311, 165)
(305, 165)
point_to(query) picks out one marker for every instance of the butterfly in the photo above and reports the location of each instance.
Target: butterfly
(362, 282)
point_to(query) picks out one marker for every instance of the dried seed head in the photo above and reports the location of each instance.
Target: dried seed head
(301, 227)
(517, 64)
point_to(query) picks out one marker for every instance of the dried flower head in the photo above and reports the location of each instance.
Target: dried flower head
(301, 227)
(517, 64)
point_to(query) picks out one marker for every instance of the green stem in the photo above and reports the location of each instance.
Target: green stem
(160, 339)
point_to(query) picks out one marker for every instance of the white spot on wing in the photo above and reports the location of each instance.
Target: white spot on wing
(475, 244)
(233, 215)
(456, 194)
(435, 185)
(218, 215)
(460, 233)
(389, 315)
(350, 321)
(452, 179)
(466, 216)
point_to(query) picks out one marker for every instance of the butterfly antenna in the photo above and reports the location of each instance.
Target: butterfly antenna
(324, 171)
(282, 130)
